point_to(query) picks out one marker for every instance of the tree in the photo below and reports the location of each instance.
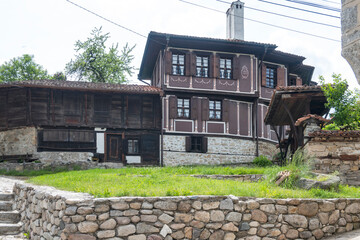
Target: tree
(22, 68)
(95, 64)
(343, 101)
(59, 76)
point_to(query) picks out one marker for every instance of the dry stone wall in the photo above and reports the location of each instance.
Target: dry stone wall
(336, 154)
(221, 150)
(20, 141)
(52, 214)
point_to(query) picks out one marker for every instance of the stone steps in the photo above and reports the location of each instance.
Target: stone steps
(9, 219)
(5, 206)
(9, 216)
(10, 228)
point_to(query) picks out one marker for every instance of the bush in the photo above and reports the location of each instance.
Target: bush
(262, 161)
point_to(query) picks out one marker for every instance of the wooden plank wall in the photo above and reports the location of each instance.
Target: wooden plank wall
(49, 107)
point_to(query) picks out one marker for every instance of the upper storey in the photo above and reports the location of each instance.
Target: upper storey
(218, 66)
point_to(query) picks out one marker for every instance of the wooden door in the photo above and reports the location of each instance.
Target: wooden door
(114, 148)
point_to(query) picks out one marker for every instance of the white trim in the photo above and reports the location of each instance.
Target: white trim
(238, 117)
(277, 64)
(184, 120)
(212, 90)
(205, 133)
(209, 51)
(207, 122)
(252, 74)
(249, 120)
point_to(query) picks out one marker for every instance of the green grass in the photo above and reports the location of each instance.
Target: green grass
(32, 173)
(172, 182)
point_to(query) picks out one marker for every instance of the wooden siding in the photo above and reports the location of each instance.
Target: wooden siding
(49, 107)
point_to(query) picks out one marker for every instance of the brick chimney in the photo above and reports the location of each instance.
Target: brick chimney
(235, 21)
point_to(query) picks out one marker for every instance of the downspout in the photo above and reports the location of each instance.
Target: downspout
(257, 102)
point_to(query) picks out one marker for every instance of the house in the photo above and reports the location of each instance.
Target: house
(73, 121)
(217, 92)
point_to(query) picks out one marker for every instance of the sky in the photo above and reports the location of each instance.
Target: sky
(48, 29)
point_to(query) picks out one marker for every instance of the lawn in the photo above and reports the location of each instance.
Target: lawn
(175, 181)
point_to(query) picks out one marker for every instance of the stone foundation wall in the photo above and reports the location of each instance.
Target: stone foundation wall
(23, 141)
(20, 141)
(341, 154)
(52, 214)
(221, 150)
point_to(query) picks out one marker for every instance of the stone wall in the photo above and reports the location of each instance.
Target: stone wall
(23, 141)
(350, 29)
(333, 152)
(52, 214)
(221, 150)
(20, 141)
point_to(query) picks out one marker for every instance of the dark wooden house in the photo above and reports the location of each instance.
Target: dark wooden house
(117, 123)
(216, 95)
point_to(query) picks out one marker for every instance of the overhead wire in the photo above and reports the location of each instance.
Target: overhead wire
(282, 15)
(315, 5)
(268, 24)
(300, 9)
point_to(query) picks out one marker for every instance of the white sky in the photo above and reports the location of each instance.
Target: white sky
(48, 29)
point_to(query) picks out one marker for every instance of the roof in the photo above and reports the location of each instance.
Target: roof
(85, 86)
(298, 101)
(311, 116)
(334, 133)
(158, 41)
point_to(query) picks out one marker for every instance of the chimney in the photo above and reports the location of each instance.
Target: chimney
(235, 21)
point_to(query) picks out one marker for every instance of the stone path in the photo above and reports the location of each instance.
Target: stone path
(7, 183)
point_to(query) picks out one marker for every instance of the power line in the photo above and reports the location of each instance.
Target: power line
(330, 1)
(282, 15)
(269, 24)
(315, 5)
(108, 20)
(282, 5)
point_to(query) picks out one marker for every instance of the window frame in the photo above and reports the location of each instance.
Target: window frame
(226, 68)
(182, 107)
(215, 110)
(292, 81)
(203, 73)
(271, 79)
(133, 139)
(178, 65)
(196, 144)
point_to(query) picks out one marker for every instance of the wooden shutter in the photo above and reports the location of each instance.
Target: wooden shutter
(188, 144)
(216, 65)
(168, 62)
(225, 110)
(205, 109)
(192, 64)
(236, 68)
(298, 81)
(188, 61)
(263, 75)
(194, 107)
(204, 145)
(280, 76)
(172, 106)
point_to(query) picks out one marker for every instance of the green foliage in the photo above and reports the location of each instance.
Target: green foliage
(331, 126)
(344, 102)
(60, 76)
(21, 69)
(95, 64)
(262, 161)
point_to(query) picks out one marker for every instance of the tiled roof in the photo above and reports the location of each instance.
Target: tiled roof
(299, 88)
(85, 86)
(214, 39)
(313, 116)
(334, 133)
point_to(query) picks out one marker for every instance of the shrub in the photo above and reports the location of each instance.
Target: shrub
(262, 161)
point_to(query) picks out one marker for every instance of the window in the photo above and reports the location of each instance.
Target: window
(270, 77)
(183, 108)
(196, 144)
(214, 110)
(178, 64)
(202, 66)
(292, 81)
(225, 68)
(133, 146)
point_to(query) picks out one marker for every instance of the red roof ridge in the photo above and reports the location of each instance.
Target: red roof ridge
(309, 116)
(335, 133)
